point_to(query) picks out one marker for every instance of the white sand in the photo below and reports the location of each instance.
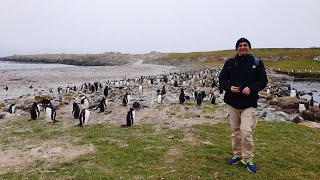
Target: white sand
(19, 80)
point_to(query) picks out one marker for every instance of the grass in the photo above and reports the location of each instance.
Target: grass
(283, 151)
(300, 58)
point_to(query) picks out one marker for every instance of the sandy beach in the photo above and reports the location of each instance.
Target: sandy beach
(42, 80)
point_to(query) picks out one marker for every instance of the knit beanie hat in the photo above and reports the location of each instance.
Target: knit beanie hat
(243, 40)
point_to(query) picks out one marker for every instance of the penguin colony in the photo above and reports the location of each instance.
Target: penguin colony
(163, 88)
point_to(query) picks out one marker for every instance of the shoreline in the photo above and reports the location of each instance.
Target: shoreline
(19, 81)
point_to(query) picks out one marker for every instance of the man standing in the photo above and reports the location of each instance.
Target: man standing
(242, 77)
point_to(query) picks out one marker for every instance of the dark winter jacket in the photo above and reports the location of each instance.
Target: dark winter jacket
(242, 72)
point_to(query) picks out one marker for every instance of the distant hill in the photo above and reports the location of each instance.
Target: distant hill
(287, 59)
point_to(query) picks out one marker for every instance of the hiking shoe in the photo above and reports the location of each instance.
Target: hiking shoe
(251, 166)
(234, 160)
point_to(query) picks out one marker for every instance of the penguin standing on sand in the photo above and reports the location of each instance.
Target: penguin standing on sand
(140, 88)
(182, 98)
(84, 117)
(130, 117)
(106, 91)
(175, 84)
(75, 110)
(102, 104)
(34, 111)
(213, 98)
(163, 92)
(12, 108)
(125, 99)
(51, 113)
(159, 98)
(85, 102)
(214, 83)
(68, 89)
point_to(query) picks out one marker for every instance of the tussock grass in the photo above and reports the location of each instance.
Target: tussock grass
(283, 151)
(300, 58)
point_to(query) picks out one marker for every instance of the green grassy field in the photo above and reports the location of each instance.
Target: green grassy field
(283, 151)
(300, 59)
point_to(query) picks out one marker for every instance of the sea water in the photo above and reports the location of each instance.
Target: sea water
(18, 65)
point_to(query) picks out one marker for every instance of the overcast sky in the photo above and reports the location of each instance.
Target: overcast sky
(141, 26)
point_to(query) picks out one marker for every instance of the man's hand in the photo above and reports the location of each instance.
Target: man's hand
(235, 89)
(246, 91)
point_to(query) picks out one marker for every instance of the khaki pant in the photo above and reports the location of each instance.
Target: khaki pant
(242, 122)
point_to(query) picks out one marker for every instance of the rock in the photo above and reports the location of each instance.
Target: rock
(296, 119)
(263, 114)
(288, 104)
(313, 114)
(270, 116)
(284, 115)
(2, 115)
(317, 58)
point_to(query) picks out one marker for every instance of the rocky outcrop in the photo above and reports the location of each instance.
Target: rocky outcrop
(105, 59)
(313, 114)
(288, 104)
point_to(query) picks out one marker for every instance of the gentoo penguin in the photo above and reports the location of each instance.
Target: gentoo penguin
(85, 102)
(125, 99)
(159, 99)
(130, 117)
(45, 102)
(289, 87)
(163, 91)
(195, 95)
(302, 107)
(6, 88)
(75, 110)
(268, 91)
(199, 99)
(158, 91)
(34, 111)
(68, 89)
(59, 90)
(84, 117)
(311, 101)
(293, 93)
(51, 113)
(140, 88)
(106, 91)
(213, 99)
(165, 79)
(12, 108)
(182, 98)
(102, 104)
(214, 83)
(175, 84)
(96, 86)
(92, 88)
